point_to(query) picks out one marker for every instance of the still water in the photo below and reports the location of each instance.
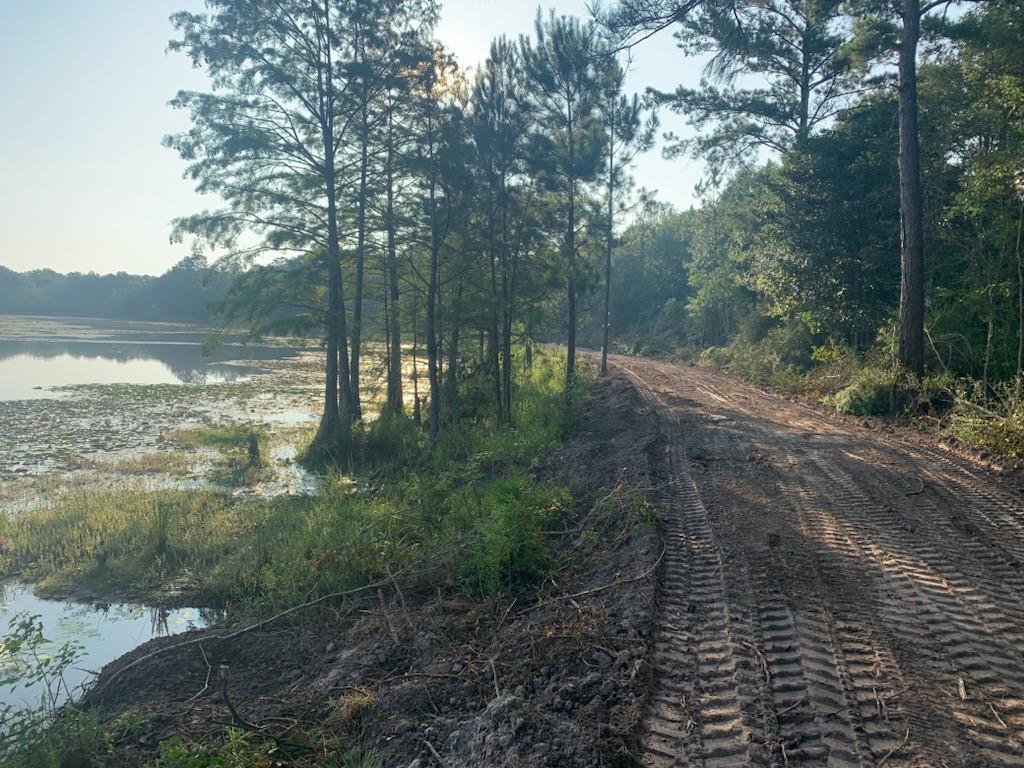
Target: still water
(38, 422)
(39, 354)
(104, 633)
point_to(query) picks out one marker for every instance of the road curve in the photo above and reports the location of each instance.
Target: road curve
(830, 597)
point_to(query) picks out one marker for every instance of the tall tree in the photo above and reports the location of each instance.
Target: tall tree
(626, 136)
(563, 67)
(779, 70)
(438, 133)
(266, 141)
(501, 123)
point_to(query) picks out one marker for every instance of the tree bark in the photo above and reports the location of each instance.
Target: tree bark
(911, 317)
(608, 248)
(394, 398)
(506, 306)
(494, 346)
(1020, 292)
(570, 238)
(431, 329)
(357, 305)
(451, 384)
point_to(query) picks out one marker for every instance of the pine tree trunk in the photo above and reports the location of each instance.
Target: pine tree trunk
(357, 306)
(1020, 293)
(570, 238)
(911, 318)
(431, 322)
(451, 383)
(608, 257)
(494, 346)
(394, 398)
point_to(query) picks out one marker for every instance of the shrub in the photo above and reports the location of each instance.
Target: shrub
(989, 420)
(869, 393)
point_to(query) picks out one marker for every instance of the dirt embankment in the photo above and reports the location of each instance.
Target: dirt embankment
(426, 676)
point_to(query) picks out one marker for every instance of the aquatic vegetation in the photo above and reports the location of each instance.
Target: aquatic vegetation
(468, 506)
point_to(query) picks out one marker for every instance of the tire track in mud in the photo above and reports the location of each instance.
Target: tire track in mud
(702, 711)
(741, 680)
(923, 667)
(964, 656)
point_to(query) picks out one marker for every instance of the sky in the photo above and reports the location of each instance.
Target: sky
(85, 184)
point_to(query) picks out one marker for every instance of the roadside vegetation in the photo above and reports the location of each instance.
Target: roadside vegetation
(788, 273)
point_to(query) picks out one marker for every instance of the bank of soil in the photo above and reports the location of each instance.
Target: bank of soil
(427, 675)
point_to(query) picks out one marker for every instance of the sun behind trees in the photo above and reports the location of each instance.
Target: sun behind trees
(395, 194)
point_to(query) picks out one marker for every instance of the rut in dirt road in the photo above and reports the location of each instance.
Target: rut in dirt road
(830, 596)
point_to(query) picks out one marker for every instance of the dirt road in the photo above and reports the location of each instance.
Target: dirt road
(831, 596)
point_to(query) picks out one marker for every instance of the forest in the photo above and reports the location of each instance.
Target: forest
(188, 293)
(462, 216)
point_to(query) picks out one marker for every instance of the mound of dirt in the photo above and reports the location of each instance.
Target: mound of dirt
(556, 676)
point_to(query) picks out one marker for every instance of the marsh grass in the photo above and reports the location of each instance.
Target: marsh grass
(243, 451)
(468, 508)
(174, 463)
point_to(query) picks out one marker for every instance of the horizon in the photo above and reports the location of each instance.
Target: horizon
(84, 162)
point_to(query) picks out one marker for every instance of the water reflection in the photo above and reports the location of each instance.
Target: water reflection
(105, 633)
(29, 367)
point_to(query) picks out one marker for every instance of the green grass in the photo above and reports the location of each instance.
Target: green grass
(243, 451)
(466, 507)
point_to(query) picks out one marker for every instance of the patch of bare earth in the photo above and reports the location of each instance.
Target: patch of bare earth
(426, 675)
(832, 595)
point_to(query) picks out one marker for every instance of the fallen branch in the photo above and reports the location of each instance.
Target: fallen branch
(251, 628)
(209, 671)
(434, 752)
(894, 750)
(612, 585)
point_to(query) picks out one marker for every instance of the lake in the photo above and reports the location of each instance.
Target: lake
(80, 399)
(38, 355)
(104, 633)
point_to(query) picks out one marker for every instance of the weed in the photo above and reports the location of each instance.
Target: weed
(242, 450)
(871, 392)
(345, 709)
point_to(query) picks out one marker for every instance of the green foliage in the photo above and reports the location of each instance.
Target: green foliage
(778, 358)
(871, 392)
(48, 734)
(991, 421)
(511, 520)
(237, 749)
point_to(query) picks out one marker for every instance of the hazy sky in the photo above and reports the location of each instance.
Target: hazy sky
(85, 184)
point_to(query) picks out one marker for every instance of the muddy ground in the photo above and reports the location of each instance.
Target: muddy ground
(832, 595)
(555, 676)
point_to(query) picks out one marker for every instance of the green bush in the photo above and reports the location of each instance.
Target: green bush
(869, 393)
(512, 550)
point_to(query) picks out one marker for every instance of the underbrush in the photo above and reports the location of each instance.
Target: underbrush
(986, 417)
(990, 420)
(780, 359)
